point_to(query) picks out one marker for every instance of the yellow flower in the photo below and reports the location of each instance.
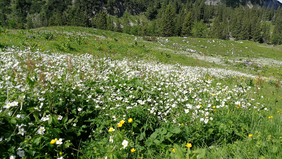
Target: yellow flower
(270, 117)
(111, 129)
(182, 124)
(119, 125)
(53, 141)
(173, 150)
(214, 110)
(122, 121)
(60, 153)
(213, 94)
(213, 107)
(278, 111)
(250, 135)
(189, 145)
(133, 150)
(130, 120)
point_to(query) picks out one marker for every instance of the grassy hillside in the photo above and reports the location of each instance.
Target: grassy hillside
(71, 92)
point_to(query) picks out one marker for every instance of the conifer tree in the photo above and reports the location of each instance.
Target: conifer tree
(118, 27)
(187, 25)
(266, 33)
(101, 20)
(180, 21)
(245, 32)
(217, 29)
(29, 24)
(167, 21)
(257, 33)
(199, 30)
(110, 23)
(58, 19)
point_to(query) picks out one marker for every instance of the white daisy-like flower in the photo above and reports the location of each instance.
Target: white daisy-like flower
(111, 139)
(206, 121)
(124, 143)
(60, 117)
(59, 142)
(12, 157)
(21, 131)
(79, 109)
(21, 153)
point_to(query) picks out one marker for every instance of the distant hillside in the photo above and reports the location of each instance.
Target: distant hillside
(250, 3)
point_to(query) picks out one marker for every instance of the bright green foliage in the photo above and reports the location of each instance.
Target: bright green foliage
(110, 23)
(101, 20)
(266, 32)
(199, 29)
(187, 25)
(117, 26)
(179, 22)
(217, 29)
(168, 21)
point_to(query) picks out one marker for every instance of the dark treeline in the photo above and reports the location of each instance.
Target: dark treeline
(166, 18)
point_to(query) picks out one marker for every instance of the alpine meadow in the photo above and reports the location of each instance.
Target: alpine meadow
(137, 79)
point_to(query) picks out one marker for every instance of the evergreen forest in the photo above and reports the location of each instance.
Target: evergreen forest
(196, 18)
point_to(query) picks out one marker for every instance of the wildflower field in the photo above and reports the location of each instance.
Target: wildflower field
(126, 100)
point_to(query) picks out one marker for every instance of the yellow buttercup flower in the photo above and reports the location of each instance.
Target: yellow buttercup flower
(122, 121)
(189, 145)
(111, 129)
(251, 135)
(278, 111)
(173, 150)
(53, 141)
(61, 153)
(130, 120)
(119, 125)
(133, 150)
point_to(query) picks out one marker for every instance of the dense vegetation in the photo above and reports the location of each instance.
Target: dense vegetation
(74, 92)
(164, 18)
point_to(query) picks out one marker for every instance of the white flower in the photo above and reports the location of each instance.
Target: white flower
(60, 117)
(60, 157)
(206, 121)
(186, 111)
(59, 142)
(111, 139)
(41, 130)
(74, 124)
(79, 109)
(124, 144)
(12, 157)
(21, 153)
(21, 131)
(201, 119)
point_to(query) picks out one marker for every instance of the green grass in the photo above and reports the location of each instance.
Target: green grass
(227, 136)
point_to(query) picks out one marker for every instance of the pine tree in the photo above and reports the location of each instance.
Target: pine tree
(180, 21)
(257, 33)
(110, 23)
(266, 32)
(245, 32)
(29, 24)
(126, 25)
(51, 21)
(118, 27)
(58, 19)
(217, 29)
(199, 30)
(101, 20)
(187, 25)
(167, 21)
